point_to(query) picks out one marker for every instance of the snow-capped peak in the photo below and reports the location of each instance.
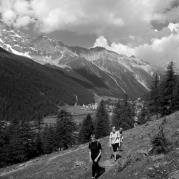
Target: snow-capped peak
(119, 68)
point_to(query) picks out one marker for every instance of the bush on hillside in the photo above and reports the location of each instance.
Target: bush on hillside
(159, 143)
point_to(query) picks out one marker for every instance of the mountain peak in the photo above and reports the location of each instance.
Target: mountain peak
(119, 72)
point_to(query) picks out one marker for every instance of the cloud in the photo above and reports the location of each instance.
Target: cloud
(16, 12)
(174, 27)
(23, 21)
(101, 42)
(116, 47)
(21, 7)
(165, 12)
(114, 19)
(101, 17)
(59, 15)
(8, 17)
(145, 28)
(160, 51)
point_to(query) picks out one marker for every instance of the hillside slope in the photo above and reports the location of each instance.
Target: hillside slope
(26, 86)
(133, 164)
(127, 72)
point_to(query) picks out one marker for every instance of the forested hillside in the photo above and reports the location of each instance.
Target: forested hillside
(28, 89)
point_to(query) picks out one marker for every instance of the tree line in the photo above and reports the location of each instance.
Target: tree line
(163, 98)
(123, 116)
(21, 140)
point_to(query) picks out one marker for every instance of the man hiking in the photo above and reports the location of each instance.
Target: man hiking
(95, 155)
(114, 141)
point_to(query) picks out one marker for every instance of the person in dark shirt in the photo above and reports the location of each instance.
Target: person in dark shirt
(95, 155)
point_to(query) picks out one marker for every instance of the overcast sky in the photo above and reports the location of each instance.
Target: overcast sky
(148, 29)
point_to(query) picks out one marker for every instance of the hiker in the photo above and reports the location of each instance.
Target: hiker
(95, 155)
(114, 141)
(120, 138)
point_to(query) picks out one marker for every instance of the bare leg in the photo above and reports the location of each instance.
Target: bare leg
(115, 156)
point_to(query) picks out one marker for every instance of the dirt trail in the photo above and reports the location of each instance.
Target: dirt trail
(106, 166)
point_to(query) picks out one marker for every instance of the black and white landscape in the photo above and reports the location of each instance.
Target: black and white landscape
(70, 69)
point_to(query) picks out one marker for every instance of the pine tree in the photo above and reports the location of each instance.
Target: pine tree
(116, 117)
(168, 87)
(144, 115)
(176, 97)
(154, 98)
(2, 143)
(48, 139)
(26, 136)
(3, 109)
(123, 114)
(38, 116)
(20, 141)
(102, 125)
(65, 130)
(86, 130)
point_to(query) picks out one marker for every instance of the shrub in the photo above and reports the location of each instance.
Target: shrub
(159, 143)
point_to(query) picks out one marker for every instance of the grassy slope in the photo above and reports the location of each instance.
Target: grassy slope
(136, 164)
(75, 164)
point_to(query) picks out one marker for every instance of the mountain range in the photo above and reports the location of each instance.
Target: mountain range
(100, 71)
(30, 90)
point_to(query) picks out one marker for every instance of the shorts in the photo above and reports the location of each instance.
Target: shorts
(115, 146)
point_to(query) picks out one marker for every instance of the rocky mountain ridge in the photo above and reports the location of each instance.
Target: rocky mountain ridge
(110, 73)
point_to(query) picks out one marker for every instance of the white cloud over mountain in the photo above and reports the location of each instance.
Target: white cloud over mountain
(158, 52)
(55, 15)
(116, 47)
(99, 16)
(174, 27)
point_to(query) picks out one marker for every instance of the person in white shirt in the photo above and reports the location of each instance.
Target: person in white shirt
(114, 141)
